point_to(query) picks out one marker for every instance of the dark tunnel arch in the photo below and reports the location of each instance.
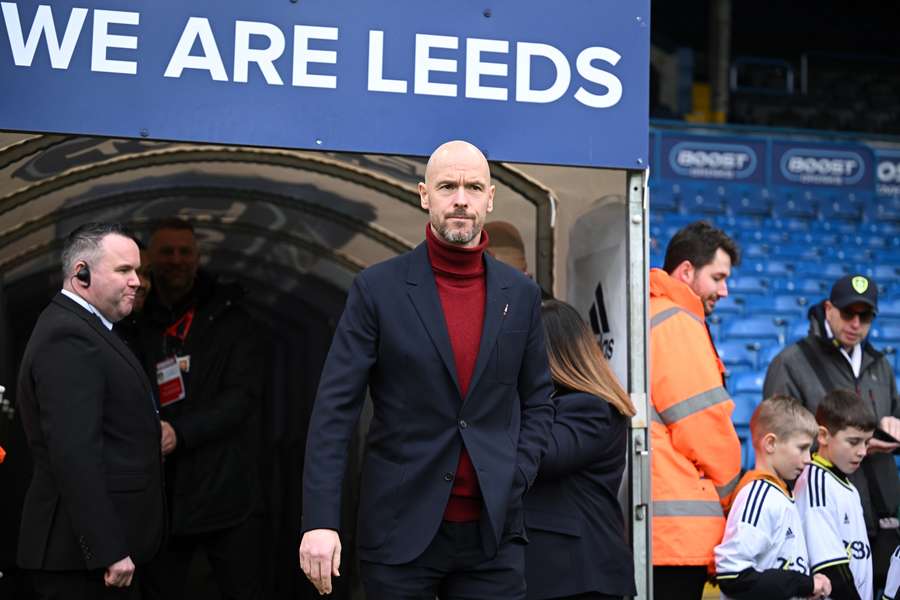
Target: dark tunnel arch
(349, 263)
(372, 231)
(519, 182)
(168, 157)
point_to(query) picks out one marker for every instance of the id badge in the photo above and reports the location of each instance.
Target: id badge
(169, 381)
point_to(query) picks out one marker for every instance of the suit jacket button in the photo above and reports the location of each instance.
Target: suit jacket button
(463, 424)
(448, 476)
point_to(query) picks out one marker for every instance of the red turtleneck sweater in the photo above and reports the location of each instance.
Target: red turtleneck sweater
(459, 275)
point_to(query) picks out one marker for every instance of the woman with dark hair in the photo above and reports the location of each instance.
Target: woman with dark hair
(575, 524)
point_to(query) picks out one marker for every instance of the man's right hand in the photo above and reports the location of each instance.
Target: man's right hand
(119, 574)
(320, 557)
(821, 586)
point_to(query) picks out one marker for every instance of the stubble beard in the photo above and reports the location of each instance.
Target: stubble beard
(458, 236)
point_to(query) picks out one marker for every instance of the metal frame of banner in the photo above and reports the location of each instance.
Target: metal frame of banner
(637, 278)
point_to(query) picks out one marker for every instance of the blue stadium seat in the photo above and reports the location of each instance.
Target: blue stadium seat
(755, 304)
(749, 203)
(766, 236)
(879, 228)
(729, 305)
(703, 203)
(736, 353)
(768, 354)
(662, 200)
(755, 250)
(883, 211)
(808, 286)
(833, 226)
(739, 224)
(884, 273)
(797, 252)
(794, 207)
(753, 328)
(890, 352)
(816, 238)
(748, 284)
(748, 383)
(830, 270)
(790, 303)
(748, 455)
(871, 240)
(837, 209)
(765, 267)
(780, 307)
(678, 220)
(792, 224)
(797, 331)
(885, 331)
(848, 254)
(858, 198)
(889, 307)
(744, 405)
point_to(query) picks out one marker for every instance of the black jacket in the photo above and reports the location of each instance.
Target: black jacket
(791, 373)
(87, 407)
(574, 520)
(213, 473)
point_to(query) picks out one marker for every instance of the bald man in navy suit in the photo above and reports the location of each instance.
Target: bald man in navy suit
(449, 343)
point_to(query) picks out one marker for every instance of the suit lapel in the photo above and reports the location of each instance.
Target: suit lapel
(111, 338)
(495, 306)
(423, 293)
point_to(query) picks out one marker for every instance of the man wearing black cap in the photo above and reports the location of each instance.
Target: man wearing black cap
(836, 355)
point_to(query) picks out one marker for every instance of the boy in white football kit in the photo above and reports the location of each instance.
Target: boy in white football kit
(829, 503)
(763, 553)
(893, 577)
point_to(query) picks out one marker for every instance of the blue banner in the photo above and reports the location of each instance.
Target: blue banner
(847, 166)
(713, 158)
(527, 81)
(887, 173)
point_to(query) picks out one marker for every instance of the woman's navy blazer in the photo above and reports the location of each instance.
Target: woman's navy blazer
(572, 514)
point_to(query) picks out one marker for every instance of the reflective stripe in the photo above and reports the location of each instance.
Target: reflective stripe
(694, 404)
(726, 489)
(687, 508)
(671, 312)
(654, 415)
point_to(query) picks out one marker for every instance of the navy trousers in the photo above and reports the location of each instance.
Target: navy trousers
(453, 567)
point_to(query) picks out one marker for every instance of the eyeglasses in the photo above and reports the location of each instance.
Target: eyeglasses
(865, 316)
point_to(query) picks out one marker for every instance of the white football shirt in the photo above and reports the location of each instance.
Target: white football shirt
(833, 522)
(893, 577)
(763, 531)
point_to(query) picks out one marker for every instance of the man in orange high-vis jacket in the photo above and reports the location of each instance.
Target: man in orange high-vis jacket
(695, 451)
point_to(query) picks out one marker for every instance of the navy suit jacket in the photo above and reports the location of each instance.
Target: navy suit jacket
(393, 337)
(574, 519)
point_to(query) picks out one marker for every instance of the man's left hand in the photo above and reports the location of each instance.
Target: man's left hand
(891, 426)
(169, 439)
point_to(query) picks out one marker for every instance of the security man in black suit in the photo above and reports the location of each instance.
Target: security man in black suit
(452, 402)
(94, 511)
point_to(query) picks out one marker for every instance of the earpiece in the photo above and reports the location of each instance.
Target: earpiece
(84, 275)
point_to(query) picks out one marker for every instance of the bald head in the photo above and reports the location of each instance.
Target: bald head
(456, 152)
(457, 192)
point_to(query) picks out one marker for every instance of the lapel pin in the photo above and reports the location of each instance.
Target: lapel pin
(505, 310)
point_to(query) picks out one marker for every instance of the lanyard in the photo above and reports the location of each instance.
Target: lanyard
(180, 328)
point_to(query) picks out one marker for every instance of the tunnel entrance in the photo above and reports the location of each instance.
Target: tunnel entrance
(292, 227)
